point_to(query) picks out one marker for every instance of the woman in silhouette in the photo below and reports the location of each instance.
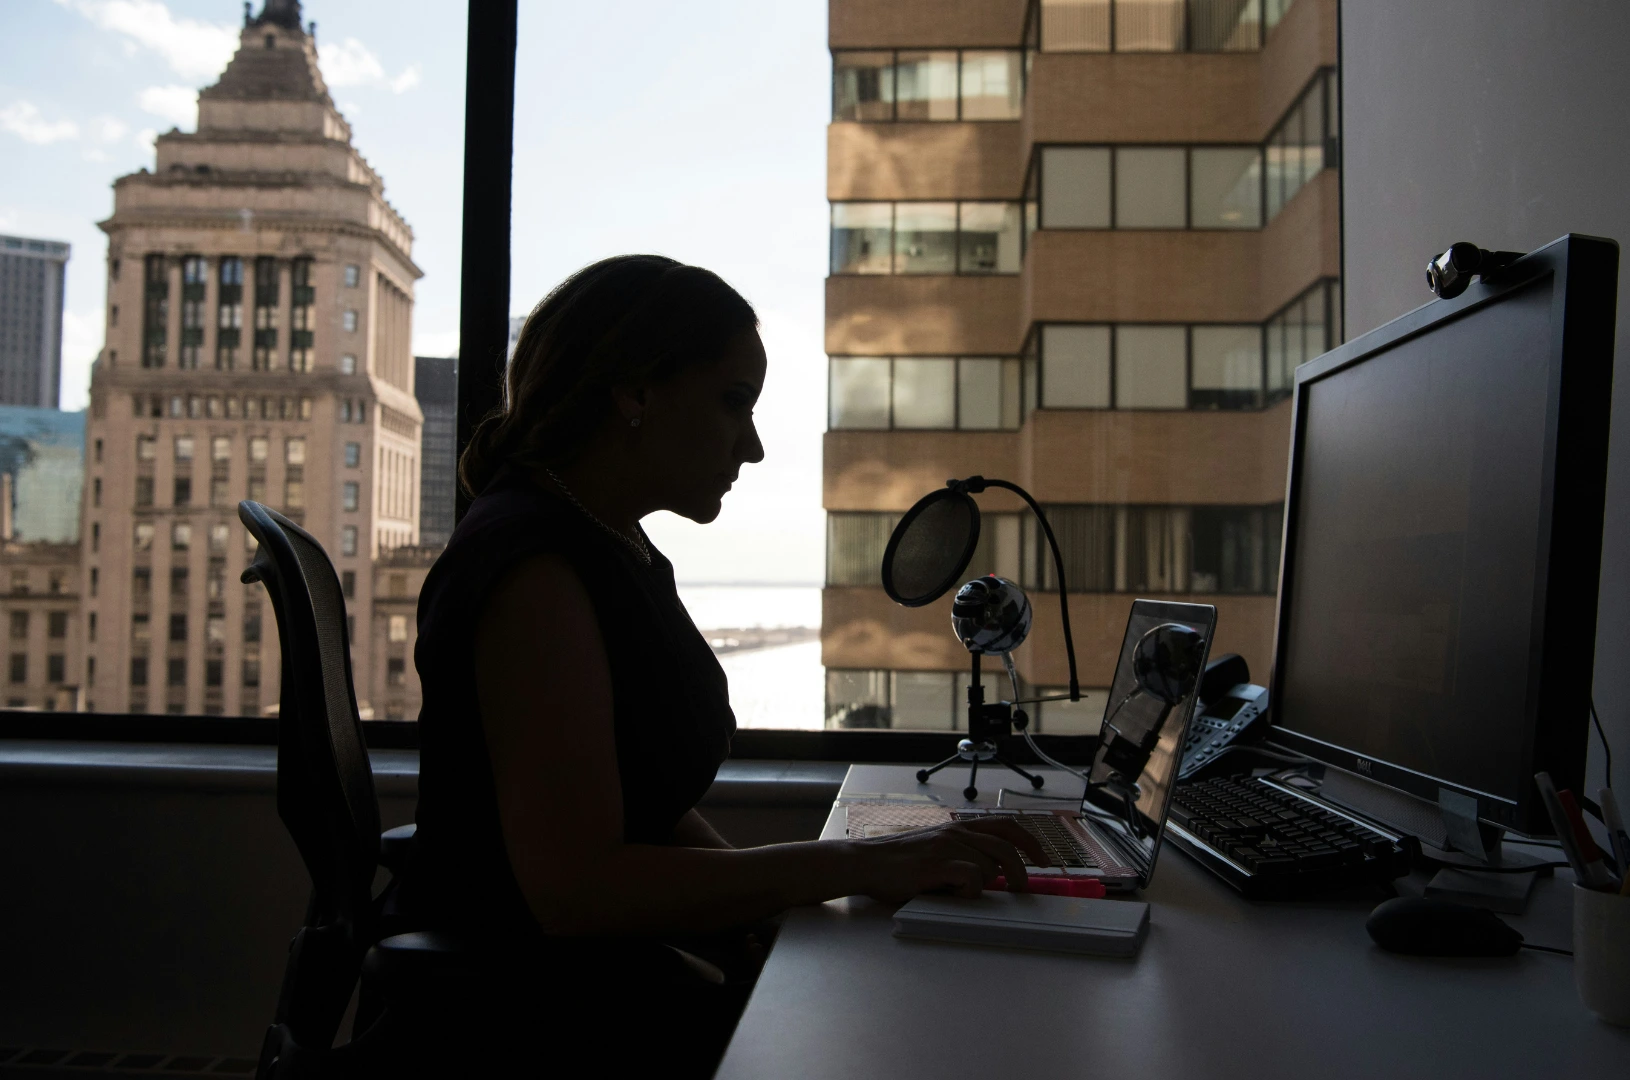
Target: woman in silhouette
(573, 716)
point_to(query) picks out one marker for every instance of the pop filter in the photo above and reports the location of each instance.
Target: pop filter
(931, 547)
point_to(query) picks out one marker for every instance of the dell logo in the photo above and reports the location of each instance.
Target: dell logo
(1364, 766)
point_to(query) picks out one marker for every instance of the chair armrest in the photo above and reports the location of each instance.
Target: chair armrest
(397, 847)
(419, 956)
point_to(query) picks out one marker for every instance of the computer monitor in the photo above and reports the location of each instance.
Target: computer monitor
(1436, 625)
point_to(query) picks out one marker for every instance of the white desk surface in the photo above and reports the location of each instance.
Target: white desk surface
(1224, 987)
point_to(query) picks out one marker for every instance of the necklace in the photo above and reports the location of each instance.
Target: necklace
(635, 542)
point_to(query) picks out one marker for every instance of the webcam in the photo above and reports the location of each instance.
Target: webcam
(1448, 274)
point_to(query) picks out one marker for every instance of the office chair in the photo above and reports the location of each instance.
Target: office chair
(326, 799)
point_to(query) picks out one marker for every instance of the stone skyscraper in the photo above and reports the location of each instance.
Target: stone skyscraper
(260, 299)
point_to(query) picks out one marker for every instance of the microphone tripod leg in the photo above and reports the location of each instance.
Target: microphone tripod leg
(1035, 781)
(924, 774)
(971, 792)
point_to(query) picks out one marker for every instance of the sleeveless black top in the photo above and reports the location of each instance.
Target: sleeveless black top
(671, 706)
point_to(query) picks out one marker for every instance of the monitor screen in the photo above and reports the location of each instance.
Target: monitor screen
(1409, 620)
(1135, 763)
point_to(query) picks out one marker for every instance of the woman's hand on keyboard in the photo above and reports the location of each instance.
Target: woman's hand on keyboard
(959, 858)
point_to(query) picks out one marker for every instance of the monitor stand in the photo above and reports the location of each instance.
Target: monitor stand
(1450, 833)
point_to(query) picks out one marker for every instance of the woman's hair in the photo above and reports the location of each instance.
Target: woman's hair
(624, 320)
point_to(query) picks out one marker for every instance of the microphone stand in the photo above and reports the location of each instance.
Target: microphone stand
(986, 724)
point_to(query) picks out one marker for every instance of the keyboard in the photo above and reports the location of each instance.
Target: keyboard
(1056, 840)
(1272, 843)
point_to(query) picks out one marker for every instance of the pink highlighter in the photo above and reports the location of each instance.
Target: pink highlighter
(1087, 888)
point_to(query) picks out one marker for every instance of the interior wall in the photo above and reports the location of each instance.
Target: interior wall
(1501, 122)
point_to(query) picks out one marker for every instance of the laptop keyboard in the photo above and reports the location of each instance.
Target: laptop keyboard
(1055, 838)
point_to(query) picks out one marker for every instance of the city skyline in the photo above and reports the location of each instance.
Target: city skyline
(741, 153)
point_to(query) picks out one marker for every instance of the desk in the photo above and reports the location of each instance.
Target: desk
(1224, 987)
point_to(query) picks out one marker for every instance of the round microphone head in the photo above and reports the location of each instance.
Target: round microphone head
(1166, 661)
(931, 547)
(991, 615)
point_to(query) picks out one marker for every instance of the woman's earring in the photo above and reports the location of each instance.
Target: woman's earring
(634, 422)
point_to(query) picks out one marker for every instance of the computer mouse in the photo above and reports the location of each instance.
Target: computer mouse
(1426, 927)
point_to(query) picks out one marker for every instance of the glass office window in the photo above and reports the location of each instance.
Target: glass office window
(1314, 334)
(859, 393)
(1149, 188)
(861, 237)
(924, 392)
(990, 238)
(857, 698)
(1086, 538)
(923, 700)
(1075, 186)
(1149, 26)
(1075, 25)
(1153, 549)
(1309, 150)
(925, 240)
(863, 86)
(1235, 549)
(1000, 537)
(1227, 367)
(925, 85)
(1225, 25)
(1083, 717)
(854, 546)
(1075, 367)
(1151, 367)
(1225, 187)
(982, 397)
(1273, 11)
(992, 84)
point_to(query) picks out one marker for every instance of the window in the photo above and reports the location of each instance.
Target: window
(987, 393)
(90, 677)
(353, 455)
(294, 452)
(1305, 328)
(348, 540)
(396, 671)
(96, 532)
(146, 448)
(1302, 143)
(1151, 367)
(178, 628)
(859, 394)
(212, 673)
(144, 491)
(178, 581)
(302, 314)
(176, 671)
(220, 492)
(1077, 370)
(183, 491)
(353, 275)
(96, 578)
(144, 534)
(398, 628)
(90, 627)
(155, 311)
(220, 448)
(141, 582)
(932, 85)
(19, 625)
(1149, 188)
(218, 538)
(927, 238)
(229, 313)
(348, 364)
(349, 321)
(194, 275)
(98, 451)
(1150, 25)
(251, 673)
(19, 667)
(96, 490)
(19, 581)
(350, 495)
(138, 671)
(258, 449)
(294, 494)
(1075, 187)
(180, 536)
(1226, 370)
(56, 624)
(348, 584)
(857, 699)
(257, 489)
(924, 393)
(267, 293)
(1225, 187)
(251, 625)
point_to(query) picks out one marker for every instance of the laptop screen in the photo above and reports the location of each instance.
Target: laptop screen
(1139, 744)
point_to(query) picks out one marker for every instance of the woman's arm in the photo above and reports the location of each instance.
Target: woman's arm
(544, 687)
(694, 830)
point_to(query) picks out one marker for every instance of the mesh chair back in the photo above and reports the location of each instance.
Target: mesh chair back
(325, 787)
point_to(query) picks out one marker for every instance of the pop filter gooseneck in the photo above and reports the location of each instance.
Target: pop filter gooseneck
(931, 548)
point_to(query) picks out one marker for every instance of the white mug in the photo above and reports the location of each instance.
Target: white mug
(1601, 953)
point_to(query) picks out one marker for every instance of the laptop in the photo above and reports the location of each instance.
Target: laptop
(1114, 833)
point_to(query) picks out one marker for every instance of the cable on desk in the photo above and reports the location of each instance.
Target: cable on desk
(1607, 751)
(1499, 869)
(1548, 948)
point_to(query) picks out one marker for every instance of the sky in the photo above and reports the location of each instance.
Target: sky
(692, 130)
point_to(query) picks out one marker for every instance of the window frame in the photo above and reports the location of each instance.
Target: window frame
(894, 99)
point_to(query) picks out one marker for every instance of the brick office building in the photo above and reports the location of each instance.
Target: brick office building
(1082, 245)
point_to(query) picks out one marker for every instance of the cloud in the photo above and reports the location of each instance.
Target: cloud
(177, 104)
(406, 81)
(351, 63)
(146, 137)
(110, 129)
(93, 154)
(23, 119)
(82, 336)
(193, 49)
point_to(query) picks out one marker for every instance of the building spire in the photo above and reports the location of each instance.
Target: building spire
(284, 13)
